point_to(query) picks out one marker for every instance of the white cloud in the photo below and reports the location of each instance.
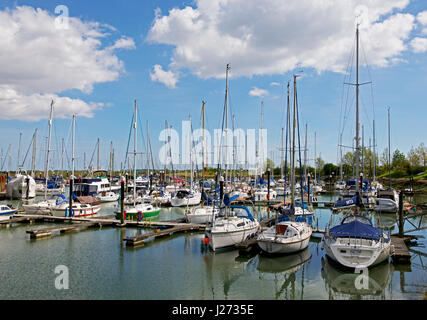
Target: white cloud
(275, 36)
(422, 19)
(419, 45)
(257, 92)
(34, 107)
(274, 84)
(123, 43)
(168, 78)
(37, 60)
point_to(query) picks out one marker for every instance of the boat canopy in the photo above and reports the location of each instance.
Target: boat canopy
(248, 213)
(356, 229)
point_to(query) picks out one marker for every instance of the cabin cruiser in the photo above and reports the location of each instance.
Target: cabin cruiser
(261, 194)
(6, 210)
(387, 201)
(202, 215)
(108, 196)
(340, 185)
(186, 198)
(93, 186)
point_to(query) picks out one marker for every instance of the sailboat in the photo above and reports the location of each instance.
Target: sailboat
(204, 213)
(190, 196)
(137, 211)
(387, 201)
(355, 242)
(287, 236)
(76, 206)
(45, 206)
(234, 224)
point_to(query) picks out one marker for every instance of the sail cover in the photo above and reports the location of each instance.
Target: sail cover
(356, 229)
(355, 201)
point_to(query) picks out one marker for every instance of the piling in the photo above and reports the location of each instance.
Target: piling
(122, 200)
(70, 210)
(401, 220)
(27, 196)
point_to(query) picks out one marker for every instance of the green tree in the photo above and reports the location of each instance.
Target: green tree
(330, 168)
(269, 164)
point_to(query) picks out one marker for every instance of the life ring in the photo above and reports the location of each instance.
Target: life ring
(139, 216)
(124, 214)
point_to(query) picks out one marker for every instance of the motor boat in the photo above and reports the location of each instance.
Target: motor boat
(387, 201)
(186, 198)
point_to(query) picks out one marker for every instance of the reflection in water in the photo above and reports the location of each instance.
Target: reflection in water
(347, 284)
(385, 221)
(282, 269)
(228, 265)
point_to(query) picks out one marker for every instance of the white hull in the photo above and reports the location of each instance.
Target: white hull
(192, 201)
(223, 237)
(272, 242)
(385, 205)
(201, 215)
(356, 253)
(78, 212)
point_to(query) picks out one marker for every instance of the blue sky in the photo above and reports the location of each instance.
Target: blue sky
(400, 84)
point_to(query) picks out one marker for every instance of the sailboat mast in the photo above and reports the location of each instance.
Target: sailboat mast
(375, 157)
(203, 148)
(72, 148)
(293, 152)
(305, 154)
(357, 109)
(226, 122)
(134, 156)
(46, 171)
(19, 151)
(33, 160)
(389, 152)
(315, 159)
(281, 158)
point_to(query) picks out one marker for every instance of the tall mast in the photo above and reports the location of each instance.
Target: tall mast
(33, 160)
(226, 122)
(72, 148)
(293, 151)
(134, 156)
(191, 158)
(389, 152)
(375, 157)
(289, 121)
(315, 159)
(281, 158)
(305, 154)
(261, 140)
(97, 159)
(357, 110)
(148, 154)
(166, 155)
(341, 173)
(203, 148)
(46, 171)
(19, 150)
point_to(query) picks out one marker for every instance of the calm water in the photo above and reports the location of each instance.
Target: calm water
(101, 267)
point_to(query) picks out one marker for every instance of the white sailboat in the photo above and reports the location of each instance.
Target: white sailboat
(355, 242)
(288, 236)
(143, 210)
(230, 227)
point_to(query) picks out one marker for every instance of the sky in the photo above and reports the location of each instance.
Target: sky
(171, 55)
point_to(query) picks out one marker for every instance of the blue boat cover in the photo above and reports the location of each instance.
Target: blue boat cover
(356, 229)
(355, 201)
